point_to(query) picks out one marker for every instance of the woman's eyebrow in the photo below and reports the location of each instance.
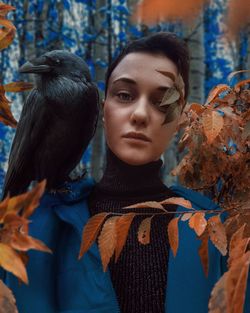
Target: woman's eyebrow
(125, 80)
(133, 82)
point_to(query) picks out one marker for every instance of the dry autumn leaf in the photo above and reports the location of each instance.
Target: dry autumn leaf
(7, 36)
(144, 231)
(6, 115)
(217, 234)
(107, 241)
(91, 231)
(10, 261)
(3, 207)
(122, 229)
(5, 8)
(173, 234)
(218, 302)
(213, 123)
(33, 198)
(197, 108)
(198, 223)
(23, 242)
(153, 11)
(240, 288)
(18, 86)
(148, 204)
(7, 300)
(203, 253)
(238, 16)
(178, 201)
(186, 216)
(216, 91)
(238, 251)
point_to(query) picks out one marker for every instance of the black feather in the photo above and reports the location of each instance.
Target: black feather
(57, 122)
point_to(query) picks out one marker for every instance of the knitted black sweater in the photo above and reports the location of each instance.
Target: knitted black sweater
(140, 275)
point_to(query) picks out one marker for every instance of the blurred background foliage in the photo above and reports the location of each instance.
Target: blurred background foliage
(97, 30)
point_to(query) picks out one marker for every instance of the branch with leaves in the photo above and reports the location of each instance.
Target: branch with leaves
(14, 228)
(7, 34)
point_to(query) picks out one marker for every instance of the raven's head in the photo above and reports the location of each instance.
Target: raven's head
(58, 63)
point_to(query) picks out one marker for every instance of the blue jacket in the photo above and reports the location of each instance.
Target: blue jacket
(59, 283)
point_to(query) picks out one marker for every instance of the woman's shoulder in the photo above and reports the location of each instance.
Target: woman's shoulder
(198, 200)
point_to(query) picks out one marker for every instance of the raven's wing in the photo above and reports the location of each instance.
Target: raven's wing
(29, 129)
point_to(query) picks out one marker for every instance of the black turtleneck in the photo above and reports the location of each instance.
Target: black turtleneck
(140, 275)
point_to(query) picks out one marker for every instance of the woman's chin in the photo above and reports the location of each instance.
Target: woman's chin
(135, 157)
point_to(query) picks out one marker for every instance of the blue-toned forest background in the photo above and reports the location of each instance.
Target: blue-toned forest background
(97, 30)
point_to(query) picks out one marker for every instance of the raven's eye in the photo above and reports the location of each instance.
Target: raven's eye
(57, 61)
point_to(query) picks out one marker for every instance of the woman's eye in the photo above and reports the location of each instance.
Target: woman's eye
(124, 96)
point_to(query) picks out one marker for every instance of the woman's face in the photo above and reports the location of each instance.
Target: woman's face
(132, 122)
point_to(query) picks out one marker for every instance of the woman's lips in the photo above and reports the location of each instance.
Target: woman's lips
(137, 136)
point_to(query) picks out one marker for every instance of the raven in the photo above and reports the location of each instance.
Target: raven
(57, 122)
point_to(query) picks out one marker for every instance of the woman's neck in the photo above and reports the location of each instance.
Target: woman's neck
(131, 180)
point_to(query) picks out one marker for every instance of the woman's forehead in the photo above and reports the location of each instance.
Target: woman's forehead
(144, 66)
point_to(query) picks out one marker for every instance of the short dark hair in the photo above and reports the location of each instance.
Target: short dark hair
(164, 43)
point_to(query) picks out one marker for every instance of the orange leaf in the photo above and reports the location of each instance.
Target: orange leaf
(11, 262)
(236, 237)
(238, 17)
(185, 217)
(122, 228)
(173, 234)
(3, 207)
(218, 302)
(197, 108)
(15, 204)
(23, 242)
(246, 131)
(144, 231)
(7, 300)
(5, 8)
(6, 115)
(14, 221)
(198, 223)
(213, 123)
(203, 253)
(153, 11)
(27, 201)
(33, 198)
(107, 241)
(231, 75)
(216, 91)
(17, 86)
(6, 23)
(240, 288)
(238, 251)
(7, 38)
(178, 201)
(217, 234)
(241, 83)
(91, 231)
(148, 204)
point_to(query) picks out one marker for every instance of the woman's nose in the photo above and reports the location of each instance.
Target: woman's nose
(140, 114)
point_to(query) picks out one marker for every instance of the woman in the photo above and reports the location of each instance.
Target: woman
(146, 278)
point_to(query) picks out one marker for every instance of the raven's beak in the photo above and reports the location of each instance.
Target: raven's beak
(28, 67)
